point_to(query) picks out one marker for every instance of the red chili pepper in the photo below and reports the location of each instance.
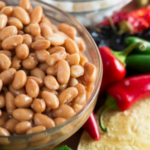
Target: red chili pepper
(117, 17)
(132, 22)
(114, 64)
(91, 127)
(125, 93)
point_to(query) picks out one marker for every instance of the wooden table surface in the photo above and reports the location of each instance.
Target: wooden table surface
(73, 141)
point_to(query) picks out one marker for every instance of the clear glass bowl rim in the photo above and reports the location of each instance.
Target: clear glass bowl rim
(94, 93)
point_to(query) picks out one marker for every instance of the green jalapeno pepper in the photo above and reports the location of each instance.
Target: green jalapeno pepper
(139, 50)
(139, 62)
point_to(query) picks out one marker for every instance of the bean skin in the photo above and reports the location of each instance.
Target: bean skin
(22, 15)
(67, 95)
(32, 88)
(43, 120)
(36, 129)
(10, 106)
(23, 114)
(3, 21)
(38, 105)
(19, 80)
(23, 127)
(23, 101)
(7, 76)
(64, 111)
(50, 99)
(12, 41)
(5, 62)
(63, 72)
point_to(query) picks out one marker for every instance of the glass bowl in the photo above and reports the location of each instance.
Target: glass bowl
(89, 12)
(52, 137)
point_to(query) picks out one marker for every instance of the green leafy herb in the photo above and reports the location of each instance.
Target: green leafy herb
(62, 148)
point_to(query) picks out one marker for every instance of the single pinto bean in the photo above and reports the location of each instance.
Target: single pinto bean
(10, 106)
(15, 22)
(2, 101)
(23, 114)
(89, 73)
(8, 10)
(12, 41)
(32, 88)
(63, 72)
(36, 14)
(10, 125)
(7, 76)
(76, 71)
(64, 111)
(42, 55)
(71, 46)
(4, 132)
(51, 83)
(22, 15)
(22, 51)
(67, 95)
(67, 29)
(73, 59)
(43, 120)
(59, 120)
(3, 21)
(45, 29)
(40, 44)
(36, 129)
(23, 101)
(7, 31)
(55, 39)
(23, 127)
(19, 80)
(37, 72)
(25, 4)
(38, 105)
(5, 62)
(30, 62)
(35, 29)
(50, 99)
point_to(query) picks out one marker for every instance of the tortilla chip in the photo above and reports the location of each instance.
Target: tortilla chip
(128, 130)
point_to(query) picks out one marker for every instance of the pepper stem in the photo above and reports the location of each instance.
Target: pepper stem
(110, 104)
(123, 54)
(112, 24)
(125, 27)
